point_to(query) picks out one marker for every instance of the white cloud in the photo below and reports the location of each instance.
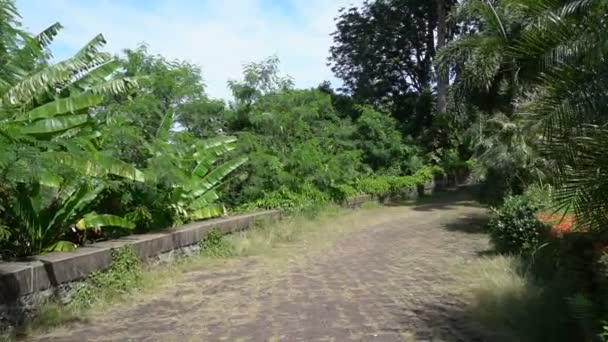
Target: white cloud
(220, 36)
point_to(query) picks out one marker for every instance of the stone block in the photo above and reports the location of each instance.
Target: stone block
(63, 267)
(21, 278)
(149, 245)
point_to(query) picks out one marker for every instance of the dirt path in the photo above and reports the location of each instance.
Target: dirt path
(389, 281)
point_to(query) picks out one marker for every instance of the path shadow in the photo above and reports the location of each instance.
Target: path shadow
(12, 313)
(445, 199)
(474, 223)
(504, 315)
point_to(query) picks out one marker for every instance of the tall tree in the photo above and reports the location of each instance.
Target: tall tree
(167, 86)
(442, 75)
(383, 51)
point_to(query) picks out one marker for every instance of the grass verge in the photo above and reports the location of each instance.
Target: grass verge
(503, 298)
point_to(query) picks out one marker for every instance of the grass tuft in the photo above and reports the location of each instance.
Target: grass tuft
(504, 299)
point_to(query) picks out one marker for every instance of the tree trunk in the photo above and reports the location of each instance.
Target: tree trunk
(442, 77)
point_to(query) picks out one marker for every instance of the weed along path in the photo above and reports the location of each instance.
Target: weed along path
(375, 274)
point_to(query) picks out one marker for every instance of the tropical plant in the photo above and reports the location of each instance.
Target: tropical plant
(485, 71)
(45, 216)
(50, 165)
(568, 43)
(184, 166)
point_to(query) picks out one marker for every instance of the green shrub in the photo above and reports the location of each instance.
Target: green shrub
(385, 185)
(514, 227)
(123, 275)
(305, 196)
(215, 245)
(374, 185)
(498, 184)
(343, 192)
(540, 196)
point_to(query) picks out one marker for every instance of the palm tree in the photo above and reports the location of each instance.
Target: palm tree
(484, 69)
(568, 42)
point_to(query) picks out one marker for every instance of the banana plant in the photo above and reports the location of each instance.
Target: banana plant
(48, 111)
(45, 215)
(191, 170)
(197, 196)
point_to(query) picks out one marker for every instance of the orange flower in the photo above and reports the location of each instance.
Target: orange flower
(560, 224)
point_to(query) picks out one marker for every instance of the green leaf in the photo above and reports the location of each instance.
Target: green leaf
(91, 48)
(204, 200)
(98, 74)
(215, 177)
(61, 246)
(207, 212)
(164, 127)
(5, 232)
(96, 221)
(45, 38)
(70, 104)
(72, 205)
(97, 165)
(54, 125)
(49, 179)
(119, 168)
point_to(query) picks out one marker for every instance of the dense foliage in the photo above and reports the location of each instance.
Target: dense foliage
(61, 158)
(98, 146)
(535, 69)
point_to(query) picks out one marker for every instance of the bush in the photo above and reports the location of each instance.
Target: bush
(215, 245)
(514, 227)
(343, 192)
(386, 185)
(305, 196)
(498, 184)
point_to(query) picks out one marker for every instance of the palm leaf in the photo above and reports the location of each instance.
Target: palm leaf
(116, 86)
(97, 74)
(209, 150)
(45, 38)
(61, 246)
(91, 49)
(96, 165)
(119, 168)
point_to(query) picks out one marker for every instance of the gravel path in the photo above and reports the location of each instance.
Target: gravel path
(390, 280)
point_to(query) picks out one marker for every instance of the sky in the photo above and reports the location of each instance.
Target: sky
(218, 35)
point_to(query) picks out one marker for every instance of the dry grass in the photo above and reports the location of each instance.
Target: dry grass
(505, 300)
